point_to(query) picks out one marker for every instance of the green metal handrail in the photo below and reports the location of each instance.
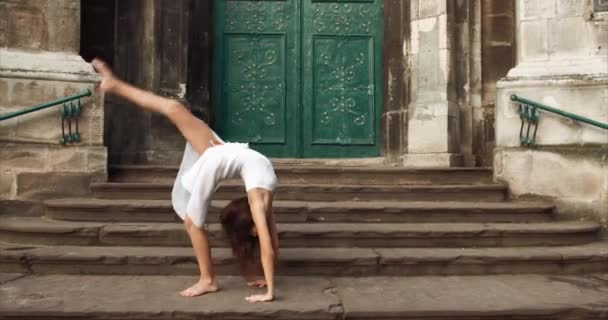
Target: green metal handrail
(528, 113)
(70, 112)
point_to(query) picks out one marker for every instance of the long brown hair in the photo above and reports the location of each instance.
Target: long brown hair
(238, 224)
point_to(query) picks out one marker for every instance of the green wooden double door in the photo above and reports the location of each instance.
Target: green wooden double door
(299, 78)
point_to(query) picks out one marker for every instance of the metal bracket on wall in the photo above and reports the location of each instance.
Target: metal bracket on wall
(70, 112)
(529, 116)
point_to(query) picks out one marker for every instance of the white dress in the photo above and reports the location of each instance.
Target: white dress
(198, 177)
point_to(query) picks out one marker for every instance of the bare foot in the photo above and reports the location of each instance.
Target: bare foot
(107, 77)
(260, 298)
(200, 288)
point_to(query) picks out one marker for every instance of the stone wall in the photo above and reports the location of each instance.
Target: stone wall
(563, 63)
(45, 25)
(39, 62)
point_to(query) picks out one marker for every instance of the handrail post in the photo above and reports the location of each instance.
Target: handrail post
(69, 111)
(528, 113)
(541, 106)
(86, 93)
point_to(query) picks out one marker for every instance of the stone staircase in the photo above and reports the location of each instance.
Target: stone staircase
(369, 223)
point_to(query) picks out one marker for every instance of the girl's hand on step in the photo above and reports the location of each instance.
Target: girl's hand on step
(257, 283)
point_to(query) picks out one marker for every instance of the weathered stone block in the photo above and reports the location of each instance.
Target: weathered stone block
(41, 126)
(414, 9)
(67, 159)
(599, 38)
(21, 208)
(534, 9)
(4, 93)
(430, 8)
(570, 37)
(64, 26)
(428, 134)
(52, 25)
(97, 163)
(17, 156)
(574, 176)
(445, 39)
(26, 26)
(534, 40)
(46, 185)
(3, 27)
(429, 77)
(30, 92)
(7, 184)
(433, 128)
(570, 8)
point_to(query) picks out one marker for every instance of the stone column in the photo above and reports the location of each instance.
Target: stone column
(39, 61)
(562, 61)
(433, 126)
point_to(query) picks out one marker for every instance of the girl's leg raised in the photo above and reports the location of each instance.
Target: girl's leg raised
(196, 132)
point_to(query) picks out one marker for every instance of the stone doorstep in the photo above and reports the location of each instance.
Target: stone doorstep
(298, 211)
(309, 261)
(52, 232)
(302, 167)
(461, 297)
(316, 192)
(596, 251)
(324, 174)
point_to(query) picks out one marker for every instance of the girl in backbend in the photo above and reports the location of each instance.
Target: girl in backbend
(206, 162)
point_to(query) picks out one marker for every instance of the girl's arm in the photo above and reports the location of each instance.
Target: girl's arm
(274, 234)
(267, 251)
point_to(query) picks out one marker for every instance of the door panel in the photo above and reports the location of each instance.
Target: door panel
(342, 84)
(256, 47)
(341, 78)
(255, 88)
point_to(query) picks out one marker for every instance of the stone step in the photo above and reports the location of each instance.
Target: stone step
(300, 192)
(512, 297)
(303, 211)
(325, 174)
(43, 231)
(310, 261)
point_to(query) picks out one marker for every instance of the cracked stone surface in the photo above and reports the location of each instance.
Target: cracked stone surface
(8, 277)
(155, 297)
(505, 295)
